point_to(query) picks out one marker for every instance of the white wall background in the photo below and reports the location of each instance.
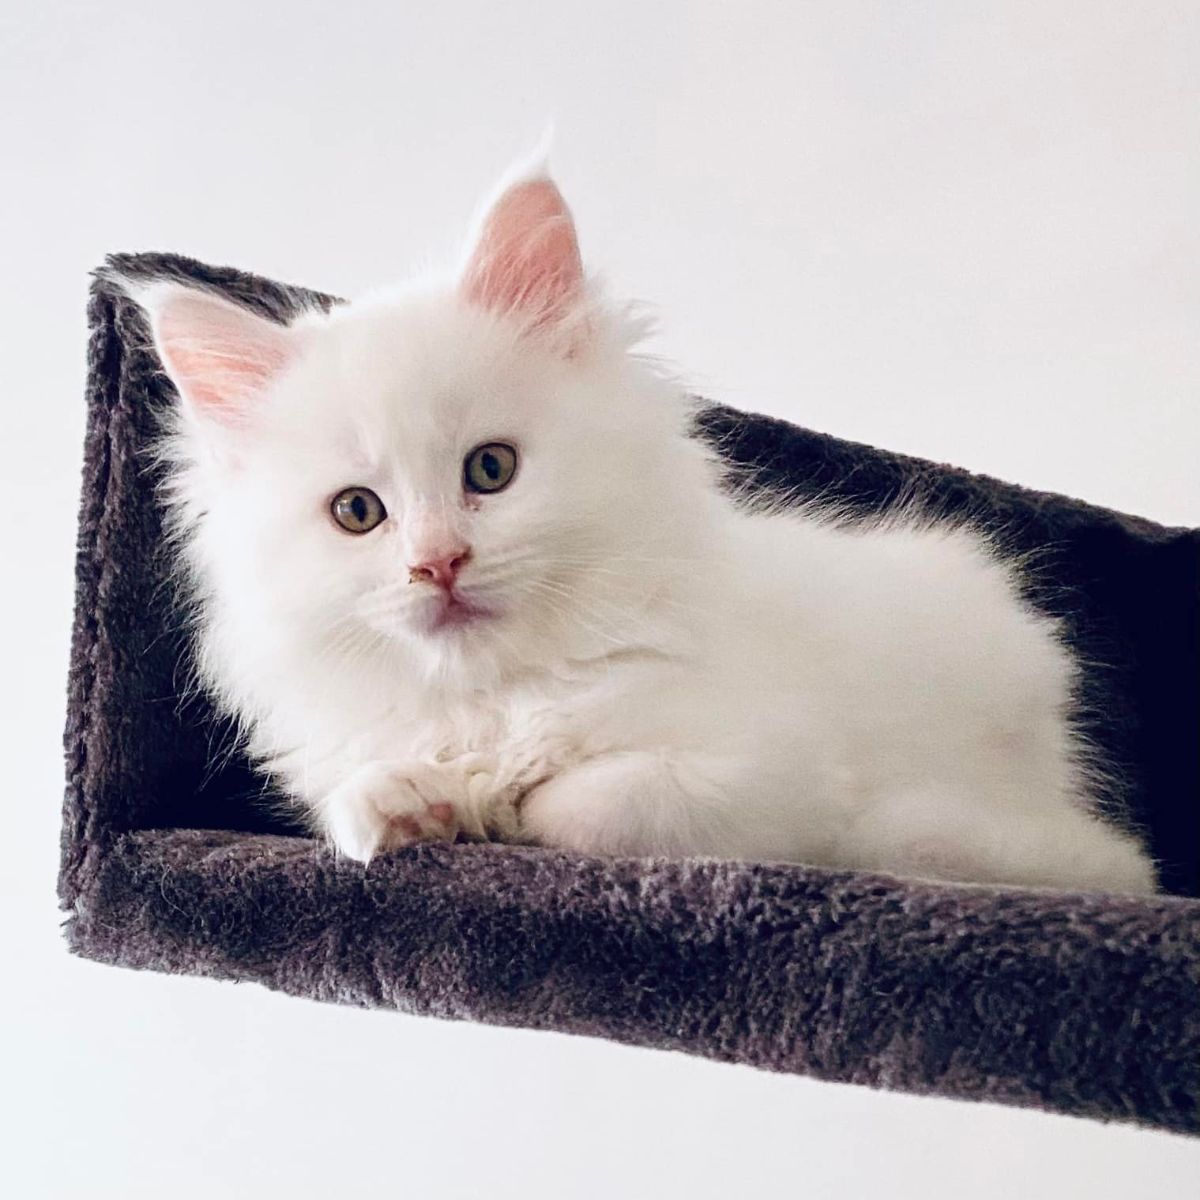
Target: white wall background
(967, 231)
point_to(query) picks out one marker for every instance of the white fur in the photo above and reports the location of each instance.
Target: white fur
(671, 673)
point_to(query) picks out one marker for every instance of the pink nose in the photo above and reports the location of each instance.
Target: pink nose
(440, 568)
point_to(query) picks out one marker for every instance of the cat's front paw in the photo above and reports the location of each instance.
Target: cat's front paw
(489, 796)
(384, 806)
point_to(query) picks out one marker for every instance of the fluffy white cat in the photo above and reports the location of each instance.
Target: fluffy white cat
(459, 568)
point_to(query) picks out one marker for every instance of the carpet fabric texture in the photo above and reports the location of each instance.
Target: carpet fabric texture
(1087, 1004)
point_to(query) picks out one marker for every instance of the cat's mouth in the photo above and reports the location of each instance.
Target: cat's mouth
(451, 610)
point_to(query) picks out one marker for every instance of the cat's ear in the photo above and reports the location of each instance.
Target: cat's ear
(220, 356)
(524, 260)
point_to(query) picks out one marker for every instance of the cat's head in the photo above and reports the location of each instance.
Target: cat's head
(477, 473)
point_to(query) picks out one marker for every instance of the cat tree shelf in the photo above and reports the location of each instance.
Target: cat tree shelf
(1086, 1004)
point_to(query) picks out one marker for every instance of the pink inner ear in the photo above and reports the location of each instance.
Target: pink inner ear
(220, 356)
(527, 258)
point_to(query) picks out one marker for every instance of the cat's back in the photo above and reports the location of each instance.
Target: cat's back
(899, 611)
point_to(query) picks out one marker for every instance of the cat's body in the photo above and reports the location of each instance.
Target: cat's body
(604, 652)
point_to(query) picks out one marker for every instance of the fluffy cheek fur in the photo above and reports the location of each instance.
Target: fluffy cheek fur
(276, 586)
(574, 551)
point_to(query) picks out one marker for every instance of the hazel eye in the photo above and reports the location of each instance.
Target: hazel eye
(357, 509)
(490, 467)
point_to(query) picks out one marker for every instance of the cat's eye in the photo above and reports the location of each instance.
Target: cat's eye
(357, 509)
(490, 467)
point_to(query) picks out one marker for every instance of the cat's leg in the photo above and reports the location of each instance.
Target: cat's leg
(938, 833)
(384, 805)
(637, 803)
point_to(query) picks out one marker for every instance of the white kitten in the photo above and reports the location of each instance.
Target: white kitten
(459, 568)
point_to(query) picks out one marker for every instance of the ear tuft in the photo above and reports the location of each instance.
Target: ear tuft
(220, 356)
(526, 261)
